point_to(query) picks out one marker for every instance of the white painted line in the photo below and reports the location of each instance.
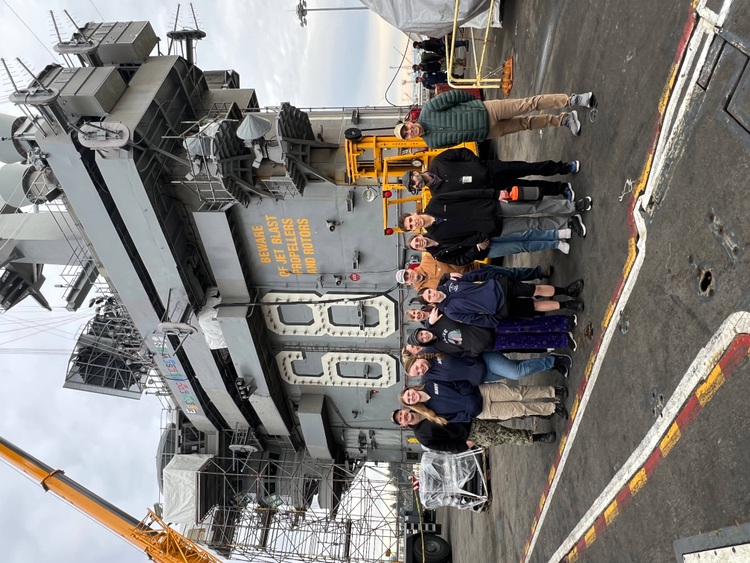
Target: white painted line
(696, 373)
(700, 34)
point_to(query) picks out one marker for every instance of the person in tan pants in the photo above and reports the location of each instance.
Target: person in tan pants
(443, 402)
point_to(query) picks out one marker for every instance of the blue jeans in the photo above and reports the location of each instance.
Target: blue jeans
(498, 366)
(526, 241)
(520, 274)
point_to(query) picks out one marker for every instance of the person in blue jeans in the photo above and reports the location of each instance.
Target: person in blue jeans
(492, 366)
(471, 249)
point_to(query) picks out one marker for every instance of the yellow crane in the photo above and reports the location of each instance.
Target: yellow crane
(151, 535)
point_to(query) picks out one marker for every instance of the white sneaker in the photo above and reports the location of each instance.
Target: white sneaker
(571, 122)
(564, 233)
(563, 246)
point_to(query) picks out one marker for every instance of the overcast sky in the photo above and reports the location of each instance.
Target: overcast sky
(105, 443)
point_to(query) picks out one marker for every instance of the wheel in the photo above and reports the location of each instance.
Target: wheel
(416, 163)
(436, 549)
(353, 134)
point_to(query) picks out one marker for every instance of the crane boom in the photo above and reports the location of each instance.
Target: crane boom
(151, 535)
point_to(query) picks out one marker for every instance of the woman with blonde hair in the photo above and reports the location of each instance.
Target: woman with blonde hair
(442, 402)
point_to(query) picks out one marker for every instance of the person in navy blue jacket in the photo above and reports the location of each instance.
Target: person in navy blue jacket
(493, 366)
(443, 402)
(485, 298)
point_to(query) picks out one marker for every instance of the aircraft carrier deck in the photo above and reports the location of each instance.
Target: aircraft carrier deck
(653, 463)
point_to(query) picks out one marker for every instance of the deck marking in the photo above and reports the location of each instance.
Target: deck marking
(713, 365)
(672, 117)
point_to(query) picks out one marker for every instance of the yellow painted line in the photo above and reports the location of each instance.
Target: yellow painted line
(708, 389)
(611, 512)
(590, 536)
(670, 439)
(638, 481)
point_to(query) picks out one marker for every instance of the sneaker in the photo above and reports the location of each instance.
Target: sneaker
(561, 411)
(572, 305)
(546, 438)
(584, 204)
(547, 271)
(574, 288)
(563, 363)
(563, 247)
(585, 100)
(572, 344)
(561, 392)
(564, 233)
(572, 167)
(576, 225)
(568, 192)
(571, 122)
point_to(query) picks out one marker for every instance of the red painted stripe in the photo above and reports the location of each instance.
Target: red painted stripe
(623, 497)
(653, 461)
(688, 413)
(600, 524)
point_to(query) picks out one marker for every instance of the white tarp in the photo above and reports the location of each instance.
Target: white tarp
(181, 488)
(433, 18)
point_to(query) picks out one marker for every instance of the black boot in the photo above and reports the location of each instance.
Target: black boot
(561, 411)
(546, 438)
(561, 393)
(576, 306)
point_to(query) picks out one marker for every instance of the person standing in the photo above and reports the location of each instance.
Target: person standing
(461, 436)
(456, 117)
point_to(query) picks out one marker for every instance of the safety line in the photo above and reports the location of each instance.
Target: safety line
(713, 365)
(626, 282)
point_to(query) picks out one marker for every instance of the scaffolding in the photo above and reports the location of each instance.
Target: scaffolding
(302, 510)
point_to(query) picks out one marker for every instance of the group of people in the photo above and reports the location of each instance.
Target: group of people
(431, 63)
(471, 313)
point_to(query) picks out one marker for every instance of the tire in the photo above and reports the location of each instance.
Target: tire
(436, 549)
(353, 134)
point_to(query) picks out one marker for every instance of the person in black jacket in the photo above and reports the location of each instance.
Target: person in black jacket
(461, 436)
(459, 339)
(459, 169)
(458, 215)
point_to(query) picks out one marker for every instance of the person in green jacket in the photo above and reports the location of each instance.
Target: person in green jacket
(457, 117)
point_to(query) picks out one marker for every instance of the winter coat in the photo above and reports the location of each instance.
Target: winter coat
(452, 118)
(468, 212)
(459, 169)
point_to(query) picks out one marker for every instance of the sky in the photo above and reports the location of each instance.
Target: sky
(109, 444)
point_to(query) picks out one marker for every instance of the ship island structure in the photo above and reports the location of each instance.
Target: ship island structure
(241, 266)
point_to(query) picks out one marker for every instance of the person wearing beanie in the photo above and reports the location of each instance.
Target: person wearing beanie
(456, 117)
(460, 169)
(461, 436)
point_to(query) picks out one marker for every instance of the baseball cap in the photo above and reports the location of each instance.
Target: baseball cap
(397, 131)
(401, 276)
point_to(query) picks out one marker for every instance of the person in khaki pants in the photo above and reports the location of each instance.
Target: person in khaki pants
(456, 116)
(443, 402)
